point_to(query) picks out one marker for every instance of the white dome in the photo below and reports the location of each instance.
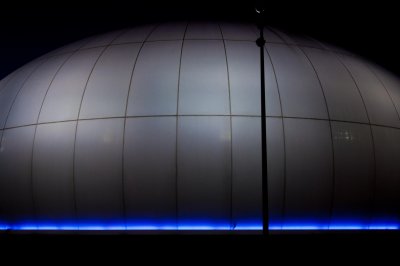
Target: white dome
(158, 127)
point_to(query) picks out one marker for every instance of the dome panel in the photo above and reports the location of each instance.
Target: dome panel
(309, 171)
(354, 171)
(203, 87)
(386, 208)
(272, 95)
(16, 205)
(10, 91)
(105, 95)
(98, 170)
(342, 95)
(244, 80)
(153, 170)
(380, 108)
(65, 93)
(246, 171)
(301, 93)
(276, 169)
(52, 172)
(154, 87)
(244, 77)
(28, 102)
(391, 83)
(204, 170)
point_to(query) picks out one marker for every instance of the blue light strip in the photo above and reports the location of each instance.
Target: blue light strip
(194, 227)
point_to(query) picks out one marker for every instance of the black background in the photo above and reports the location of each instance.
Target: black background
(30, 29)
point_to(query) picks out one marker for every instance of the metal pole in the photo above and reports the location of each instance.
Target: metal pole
(261, 43)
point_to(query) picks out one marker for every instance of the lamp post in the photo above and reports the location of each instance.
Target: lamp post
(261, 43)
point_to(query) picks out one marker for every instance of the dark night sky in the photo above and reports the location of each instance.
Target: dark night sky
(30, 30)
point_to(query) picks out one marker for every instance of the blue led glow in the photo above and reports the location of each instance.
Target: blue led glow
(194, 227)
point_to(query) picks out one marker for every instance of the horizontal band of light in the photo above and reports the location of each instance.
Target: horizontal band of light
(194, 227)
(333, 227)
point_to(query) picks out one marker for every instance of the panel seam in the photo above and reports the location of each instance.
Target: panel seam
(9, 111)
(374, 181)
(233, 225)
(330, 215)
(194, 115)
(177, 130)
(35, 206)
(332, 203)
(284, 138)
(77, 122)
(124, 127)
(384, 86)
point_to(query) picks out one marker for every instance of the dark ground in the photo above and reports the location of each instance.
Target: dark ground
(322, 247)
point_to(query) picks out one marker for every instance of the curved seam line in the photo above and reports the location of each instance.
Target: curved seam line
(233, 225)
(185, 115)
(177, 129)
(332, 142)
(76, 127)
(124, 128)
(285, 43)
(384, 86)
(284, 138)
(374, 181)
(45, 56)
(20, 89)
(35, 207)
(9, 111)
(330, 124)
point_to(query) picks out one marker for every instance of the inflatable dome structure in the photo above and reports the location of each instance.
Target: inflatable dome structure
(158, 127)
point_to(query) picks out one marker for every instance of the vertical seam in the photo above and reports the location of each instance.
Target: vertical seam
(372, 197)
(278, 34)
(331, 133)
(20, 89)
(77, 122)
(373, 200)
(284, 196)
(124, 128)
(13, 74)
(177, 129)
(12, 104)
(284, 214)
(232, 224)
(384, 86)
(284, 139)
(35, 207)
